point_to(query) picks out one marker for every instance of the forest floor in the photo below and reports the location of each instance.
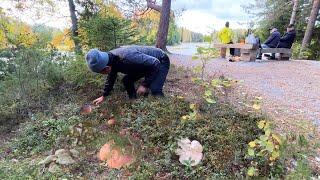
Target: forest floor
(290, 89)
(147, 129)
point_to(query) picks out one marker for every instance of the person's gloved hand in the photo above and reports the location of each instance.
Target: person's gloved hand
(142, 90)
(98, 101)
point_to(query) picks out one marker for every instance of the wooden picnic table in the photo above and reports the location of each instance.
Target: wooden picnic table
(248, 51)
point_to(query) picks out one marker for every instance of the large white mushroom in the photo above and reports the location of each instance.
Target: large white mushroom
(189, 151)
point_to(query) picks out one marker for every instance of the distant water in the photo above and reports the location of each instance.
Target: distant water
(186, 48)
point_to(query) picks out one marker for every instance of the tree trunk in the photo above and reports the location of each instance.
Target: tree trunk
(163, 25)
(163, 28)
(74, 28)
(294, 11)
(312, 19)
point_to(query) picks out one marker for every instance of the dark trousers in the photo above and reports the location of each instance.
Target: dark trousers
(231, 50)
(156, 86)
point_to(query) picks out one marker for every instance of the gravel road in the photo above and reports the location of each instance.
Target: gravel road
(290, 89)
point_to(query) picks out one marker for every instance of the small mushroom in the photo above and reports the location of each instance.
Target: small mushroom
(123, 132)
(86, 109)
(111, 122)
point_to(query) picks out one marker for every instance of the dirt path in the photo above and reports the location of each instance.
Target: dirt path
(290, 89)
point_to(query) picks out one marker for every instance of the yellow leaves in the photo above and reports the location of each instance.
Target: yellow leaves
(265, 148)
(22, 35)
(193, 115)
(274, 156)
(277, 138)
(256, 106)
(110, 10)
(192, 106)
(252, 144)
(63, 41)
(185, 117)
(180, 97)
(252, 171)
(263, 125)
(257, 103)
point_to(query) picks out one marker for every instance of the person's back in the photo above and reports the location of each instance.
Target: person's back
(273, 39)
(225, 35)
(287, 40)
(131, 50)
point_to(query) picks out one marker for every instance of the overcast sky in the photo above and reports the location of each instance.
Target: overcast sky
(199, 16)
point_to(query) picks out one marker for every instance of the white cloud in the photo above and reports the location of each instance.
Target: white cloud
(200, 16)
(205, 15)
(57, 16)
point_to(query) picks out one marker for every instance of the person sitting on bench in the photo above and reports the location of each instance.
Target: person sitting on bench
(287, 40)
(272, 41)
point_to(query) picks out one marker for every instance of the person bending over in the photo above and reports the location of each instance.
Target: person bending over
(135, 62)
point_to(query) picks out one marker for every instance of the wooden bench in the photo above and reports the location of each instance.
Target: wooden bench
(248, 51)
(285, 54)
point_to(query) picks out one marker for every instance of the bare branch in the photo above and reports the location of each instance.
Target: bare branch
(152, 4)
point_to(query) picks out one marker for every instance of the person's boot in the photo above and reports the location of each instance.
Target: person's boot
(132, 95)
(259, 56)
(273, 56)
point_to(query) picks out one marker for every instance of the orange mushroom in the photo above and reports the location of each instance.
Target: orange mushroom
(105, 151)
(86, 109)
(114, 156)
(111, 122)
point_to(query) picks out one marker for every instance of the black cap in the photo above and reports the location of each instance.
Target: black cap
(290, 26)
(271, 28)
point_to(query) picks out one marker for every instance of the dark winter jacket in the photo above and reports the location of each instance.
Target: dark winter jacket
(273, 39)
(287, 40)
(136, 61)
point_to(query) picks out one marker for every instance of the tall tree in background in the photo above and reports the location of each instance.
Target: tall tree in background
(294, 11)
(163, 28)
(311, 23)
(74, 28)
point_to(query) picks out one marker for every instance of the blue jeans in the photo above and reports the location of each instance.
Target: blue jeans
(264, 46)
(156, 86)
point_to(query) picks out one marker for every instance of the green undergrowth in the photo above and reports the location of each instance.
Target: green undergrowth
(153, 126)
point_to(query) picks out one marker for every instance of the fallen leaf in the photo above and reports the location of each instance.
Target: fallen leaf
(64, 157)
(256, 106)
(75, 153)
(48, 160)
(54, 168)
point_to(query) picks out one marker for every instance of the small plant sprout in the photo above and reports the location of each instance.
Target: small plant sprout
(204, 54)
(193, 115)
(257, 103)
(265, 149)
